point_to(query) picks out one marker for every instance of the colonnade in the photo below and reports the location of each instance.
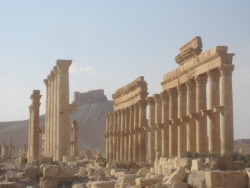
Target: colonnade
(193, 113)
(126, 135)
(34, 129)
(178, 117)
(57, 129)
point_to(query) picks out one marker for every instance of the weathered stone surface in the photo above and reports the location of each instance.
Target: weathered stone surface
(196, 179)
(31, 171)
(67, 159)
(10, 176)
(177, 184)
(103, 184)
(48, 183)
(148, 181)
(236, 179)
(50, 171)
(178, 175)
(9, 185)
(78, 185)
(118, 172)
(184, 162)
(46, 160)
(196, 164)
(143, 172)
(215, 179)
(126, 180)
(247, 170)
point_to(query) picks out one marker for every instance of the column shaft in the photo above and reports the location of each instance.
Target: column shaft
(158, 123)
(201, 123)
(131, 128)
(172, 128)
(226, 100)
(165, 122)
(142, 132)
(214, 98)
(151, 135)
(135, 139)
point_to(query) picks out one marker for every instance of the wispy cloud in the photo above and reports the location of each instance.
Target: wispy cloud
(74, 69)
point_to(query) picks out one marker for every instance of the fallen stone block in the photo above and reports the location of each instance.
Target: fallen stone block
(46, 160)
(236, 179)
(143, 182)
(78, 185)
(178, 175)
(50, 171)
(215, 179)
(67, 159)
(48, 183)
(126, 180)
(184, 162)
(247, 170)
(103, 184)
(31, 171)
(9, 185)
(196, 179)
(196, 164)
(143, 172)
(10, 176)
(118, 172)
(177, 185)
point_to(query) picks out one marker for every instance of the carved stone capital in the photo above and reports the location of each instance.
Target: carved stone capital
(214, 75)
(150, 100)
(226, 69)
(63, 65)
(164, 95)
(201, 80)
(157, 98)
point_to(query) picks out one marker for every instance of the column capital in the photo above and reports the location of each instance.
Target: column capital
(164, 95)
(63, 65)
(46, 82)
(142, 103)
(131, 109)
(181, 88)
(226, 69)
(150, 100)
(52, 75)
(201, 80)
(214, 75)
(190, 84)
(157, 98)
(55, 69)
(172, 92)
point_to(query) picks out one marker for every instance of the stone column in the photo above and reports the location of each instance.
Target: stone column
(172, 128)
(46, 120)
(52, 125)
(107, 137)
(115, 136)
(135, 139)
(214, 117)
(111, 136)
(34, 126)
(158, 123)
(55, 112)
(63, 139)
(131, 128)
(201, 123)
(151, 135)
(30, 132)
(122, 135)
(49, 116)
(126, 142)
(74, 147)
(118, 137)
(165, 123)
(182, 131)
(191, 109)
(142, 132)
(226, 100)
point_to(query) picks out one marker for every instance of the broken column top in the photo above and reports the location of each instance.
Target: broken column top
(189, 50)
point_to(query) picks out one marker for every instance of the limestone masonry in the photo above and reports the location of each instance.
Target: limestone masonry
(178, 116)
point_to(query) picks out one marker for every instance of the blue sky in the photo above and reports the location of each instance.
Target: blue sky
(113, 42)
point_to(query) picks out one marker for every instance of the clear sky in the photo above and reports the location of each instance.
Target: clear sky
(112, 42)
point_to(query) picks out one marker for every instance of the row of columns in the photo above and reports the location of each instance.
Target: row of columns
(34, 130)
(178, 117)
(57, 129)
(125, 133)
(74, 147)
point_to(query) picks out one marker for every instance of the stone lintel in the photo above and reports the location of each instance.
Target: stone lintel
(206, 112)
(189, 50)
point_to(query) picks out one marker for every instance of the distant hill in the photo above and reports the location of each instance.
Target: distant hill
(242, 143)
(90, 116)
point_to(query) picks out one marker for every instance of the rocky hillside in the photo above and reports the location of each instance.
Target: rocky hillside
(90, 116)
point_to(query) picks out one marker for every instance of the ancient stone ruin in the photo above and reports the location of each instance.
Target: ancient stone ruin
(178, 115)
(179, 138)
(57, 129)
